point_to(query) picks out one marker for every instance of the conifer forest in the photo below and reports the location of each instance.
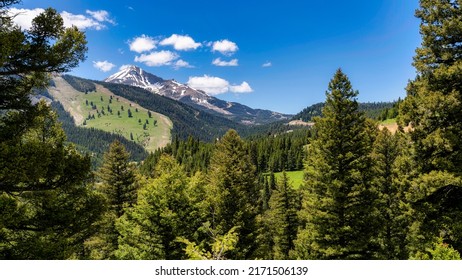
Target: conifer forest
(226, 191)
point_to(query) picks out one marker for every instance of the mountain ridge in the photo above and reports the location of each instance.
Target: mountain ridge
(135, 76)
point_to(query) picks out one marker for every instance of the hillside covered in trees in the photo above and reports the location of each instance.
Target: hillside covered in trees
(366, 194)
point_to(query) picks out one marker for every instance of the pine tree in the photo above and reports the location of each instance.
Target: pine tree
(389, 149)
(119, 189)
(338, 206)
(280, 222)
(118, 178)
(161, 214)
(233, 195)
(433, 107)
(46, 211)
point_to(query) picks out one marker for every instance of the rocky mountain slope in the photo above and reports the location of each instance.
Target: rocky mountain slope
(135, 76)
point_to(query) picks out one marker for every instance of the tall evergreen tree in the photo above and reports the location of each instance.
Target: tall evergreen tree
(118, 178)
(233, 192)
(119, 188)
(279, 224)
(46, 212)
(433, 107)
(388, 152)
(162, 213)
(338, 207)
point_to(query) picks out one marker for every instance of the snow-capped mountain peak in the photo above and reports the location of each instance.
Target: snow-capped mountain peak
(135, 76)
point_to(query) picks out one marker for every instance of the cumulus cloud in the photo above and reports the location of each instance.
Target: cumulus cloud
(157, 58)
(104, 66)
(81, 21)
(96, 20)
(24, 17)
(215, 85)
(101, 16)
(242, 88)
(142, 43)
(182, 64)
(225, 47)
(180, 42)
(267, 64)
(211, 85)
(219, 62)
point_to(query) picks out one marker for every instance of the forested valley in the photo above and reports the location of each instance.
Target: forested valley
(367, 193)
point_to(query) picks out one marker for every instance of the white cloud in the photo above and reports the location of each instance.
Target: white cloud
(157, 58)
(225, 47)
(267, 64)
(242, 88)
(80, 21)
(211, 85)
(182, 64)
(219, 62)
(101, 16)
(216, 85)
(104, 66)
(180, 42)
(142, 44)
(24, 17)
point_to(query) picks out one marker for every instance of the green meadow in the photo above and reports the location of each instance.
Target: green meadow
(114, 114)
(295, 177)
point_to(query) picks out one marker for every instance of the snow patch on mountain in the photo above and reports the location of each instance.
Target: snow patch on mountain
(135, 76)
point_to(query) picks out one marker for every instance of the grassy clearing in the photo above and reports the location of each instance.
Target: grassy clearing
(103, 110)
(295, 177)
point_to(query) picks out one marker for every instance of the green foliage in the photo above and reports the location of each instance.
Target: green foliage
(47, 211)
(389, 152)
(118, 178)
(187, 121)
(162, 213)
(278, 225)
(221, 244)
(80, 84)
(339, 202)
(234, 194)
(281, 152)
(373, 110)
(433, 107)
(192, 154)
(118, 187)
(94, 141)
(438, 251)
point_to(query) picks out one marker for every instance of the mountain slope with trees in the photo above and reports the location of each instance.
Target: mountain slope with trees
(366, 194)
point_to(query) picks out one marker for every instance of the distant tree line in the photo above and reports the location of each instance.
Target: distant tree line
(373, 110)
(81, 85)
(276, 153)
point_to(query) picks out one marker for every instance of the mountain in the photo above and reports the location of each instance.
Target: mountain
(73, 92)
(135, 76)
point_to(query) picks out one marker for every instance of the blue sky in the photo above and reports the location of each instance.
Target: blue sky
(277, 55)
